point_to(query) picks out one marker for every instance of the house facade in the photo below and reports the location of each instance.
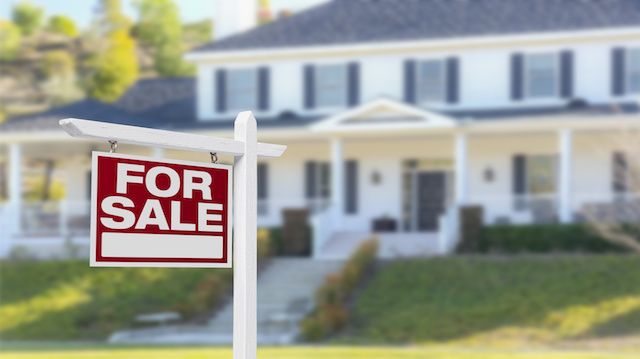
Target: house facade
(396, 114)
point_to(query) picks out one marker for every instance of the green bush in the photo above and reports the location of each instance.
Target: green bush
(545, 238)
(277, 247)
(331, 312)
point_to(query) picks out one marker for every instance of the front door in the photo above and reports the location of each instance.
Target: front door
(430, 200)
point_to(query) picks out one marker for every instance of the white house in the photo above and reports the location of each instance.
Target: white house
(399, 111)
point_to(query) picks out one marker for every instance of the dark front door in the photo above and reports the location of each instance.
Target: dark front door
(431, 199)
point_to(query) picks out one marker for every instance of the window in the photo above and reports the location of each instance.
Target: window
(431, 83)
(540, 174)
(633, 70)
(242, 89)
(331, 85)
(534, 185)
(541, 73)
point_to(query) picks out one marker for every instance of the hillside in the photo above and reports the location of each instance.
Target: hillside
(65, 300)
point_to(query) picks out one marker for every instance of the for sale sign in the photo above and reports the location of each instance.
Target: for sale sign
(147, 212)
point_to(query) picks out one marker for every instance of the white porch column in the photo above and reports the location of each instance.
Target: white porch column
(337, 182)
(564, 190)
(461, 169)
(15, 185)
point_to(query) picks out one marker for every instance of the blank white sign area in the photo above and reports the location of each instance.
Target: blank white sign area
(143, 245)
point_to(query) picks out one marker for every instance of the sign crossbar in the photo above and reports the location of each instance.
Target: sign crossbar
(161, 138)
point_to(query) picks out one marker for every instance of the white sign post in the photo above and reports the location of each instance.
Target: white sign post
(245, 148)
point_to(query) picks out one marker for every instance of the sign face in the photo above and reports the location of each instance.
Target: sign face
(147, 212)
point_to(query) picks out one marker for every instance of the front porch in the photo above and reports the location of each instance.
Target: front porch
(385, 169)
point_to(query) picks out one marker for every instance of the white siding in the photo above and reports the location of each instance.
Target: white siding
(484, 78)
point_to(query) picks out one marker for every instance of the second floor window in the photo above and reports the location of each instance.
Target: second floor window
(431, 81)
(541, 74)
(242, 89)
(633, 70)
(331, 85)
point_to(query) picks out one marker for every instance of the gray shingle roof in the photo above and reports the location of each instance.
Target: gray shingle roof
(362, 21)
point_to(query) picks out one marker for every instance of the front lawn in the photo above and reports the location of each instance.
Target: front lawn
(514, 301)
(308, 352)
(68, 300)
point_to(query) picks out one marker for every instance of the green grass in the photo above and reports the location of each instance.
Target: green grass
(505, 301)
(307, 352)
(68, 300)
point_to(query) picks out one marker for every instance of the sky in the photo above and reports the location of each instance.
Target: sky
(190, 10)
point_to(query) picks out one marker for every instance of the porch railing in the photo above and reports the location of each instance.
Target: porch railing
(518, 209)
(270, 211)
(621, 207)
(54, 219)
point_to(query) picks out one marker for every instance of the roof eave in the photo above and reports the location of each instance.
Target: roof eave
(602, 34)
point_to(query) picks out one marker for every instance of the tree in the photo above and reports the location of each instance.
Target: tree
(159, 27)
(62, 25)
(27, 17)
(111, 17)
(114, 66)
(115, 69)
(9, 40)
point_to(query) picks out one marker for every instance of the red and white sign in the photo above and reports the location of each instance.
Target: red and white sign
(147, 212)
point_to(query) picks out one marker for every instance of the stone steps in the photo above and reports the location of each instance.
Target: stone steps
(286, 289)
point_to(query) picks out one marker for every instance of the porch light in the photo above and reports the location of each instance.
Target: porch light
(489, 175)
(376, 177)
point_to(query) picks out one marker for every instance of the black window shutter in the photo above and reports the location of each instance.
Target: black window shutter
(325, 176)
(263, 88)
(517, 76)
(453, 80)
(263, 181)
(221, 90)
(566, 74)
(410, 81)
(519, 174)
(309, 87)
(619, 173)
(354, 83)
(618, 71)
(351, 186)
(310, 175)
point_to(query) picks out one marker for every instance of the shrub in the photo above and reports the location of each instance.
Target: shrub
(470, 228)
(264, 244)
(331, 312)
(10, 40)
(543, 239)
(278, 248)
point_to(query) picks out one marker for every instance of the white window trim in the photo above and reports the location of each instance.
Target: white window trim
(445, 81)
(627, 71)
(526, 77)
